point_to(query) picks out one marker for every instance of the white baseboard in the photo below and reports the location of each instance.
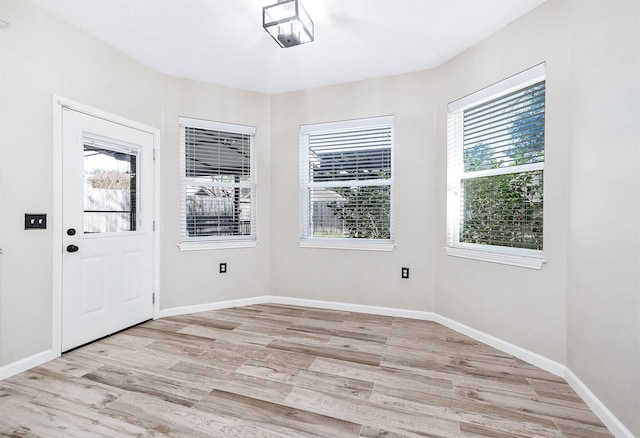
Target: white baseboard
(357, 308)
(25, 364)
(556, 368)
(605, 415)
(521, 353)
(184, 310)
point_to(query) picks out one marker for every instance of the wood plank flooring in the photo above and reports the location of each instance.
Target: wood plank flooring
(286, 371)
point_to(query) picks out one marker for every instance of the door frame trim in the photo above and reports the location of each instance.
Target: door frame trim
(59, 105)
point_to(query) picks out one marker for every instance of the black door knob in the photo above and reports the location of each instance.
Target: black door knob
(72, 248)
(71, 231)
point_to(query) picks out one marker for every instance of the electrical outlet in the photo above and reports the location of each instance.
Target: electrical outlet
(223, 268)
(405, 273)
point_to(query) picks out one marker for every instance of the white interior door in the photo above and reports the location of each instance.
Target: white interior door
(107, 212)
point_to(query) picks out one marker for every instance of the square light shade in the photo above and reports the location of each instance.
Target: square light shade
(288, 23)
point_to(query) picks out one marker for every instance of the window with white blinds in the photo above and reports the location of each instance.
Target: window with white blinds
(346, 182)
(496, 171)
(217, 184)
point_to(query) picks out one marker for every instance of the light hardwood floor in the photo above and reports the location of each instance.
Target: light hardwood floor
(285, 371)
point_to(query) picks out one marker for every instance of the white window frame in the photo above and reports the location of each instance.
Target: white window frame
(306, 239)
(521, 257)
(216, 242)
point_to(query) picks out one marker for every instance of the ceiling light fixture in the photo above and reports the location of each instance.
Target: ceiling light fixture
(288, 23)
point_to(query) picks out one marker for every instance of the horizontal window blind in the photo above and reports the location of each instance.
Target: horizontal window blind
(506, 131)
(346, 179)
(217, 182)
(496, 166)
(216, 154)
(357, 155)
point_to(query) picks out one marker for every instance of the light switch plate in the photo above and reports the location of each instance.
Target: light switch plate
(35, 221)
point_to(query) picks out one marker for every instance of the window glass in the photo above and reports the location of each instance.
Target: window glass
(496, 142)
(110, 189)
(217, 183)
(346, 179)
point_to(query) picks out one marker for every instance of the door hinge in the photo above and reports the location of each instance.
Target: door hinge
(154, 155)
(154, 225)
(153, 298)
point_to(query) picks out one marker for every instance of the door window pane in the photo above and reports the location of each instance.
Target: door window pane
(110, 189)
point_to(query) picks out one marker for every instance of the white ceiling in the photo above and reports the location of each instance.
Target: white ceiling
(222, 41)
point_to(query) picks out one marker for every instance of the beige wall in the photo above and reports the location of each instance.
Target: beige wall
(40, 57)
(522, 306)
(504, 301)
(348, 276)
(603, 306)
(191, 277)
(582, 309)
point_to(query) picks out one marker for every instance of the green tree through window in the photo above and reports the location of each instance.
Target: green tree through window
(346, 181)
(501, 187)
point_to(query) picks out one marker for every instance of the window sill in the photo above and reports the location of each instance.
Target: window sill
(225, 244)
(354, 244)
(505, 259)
